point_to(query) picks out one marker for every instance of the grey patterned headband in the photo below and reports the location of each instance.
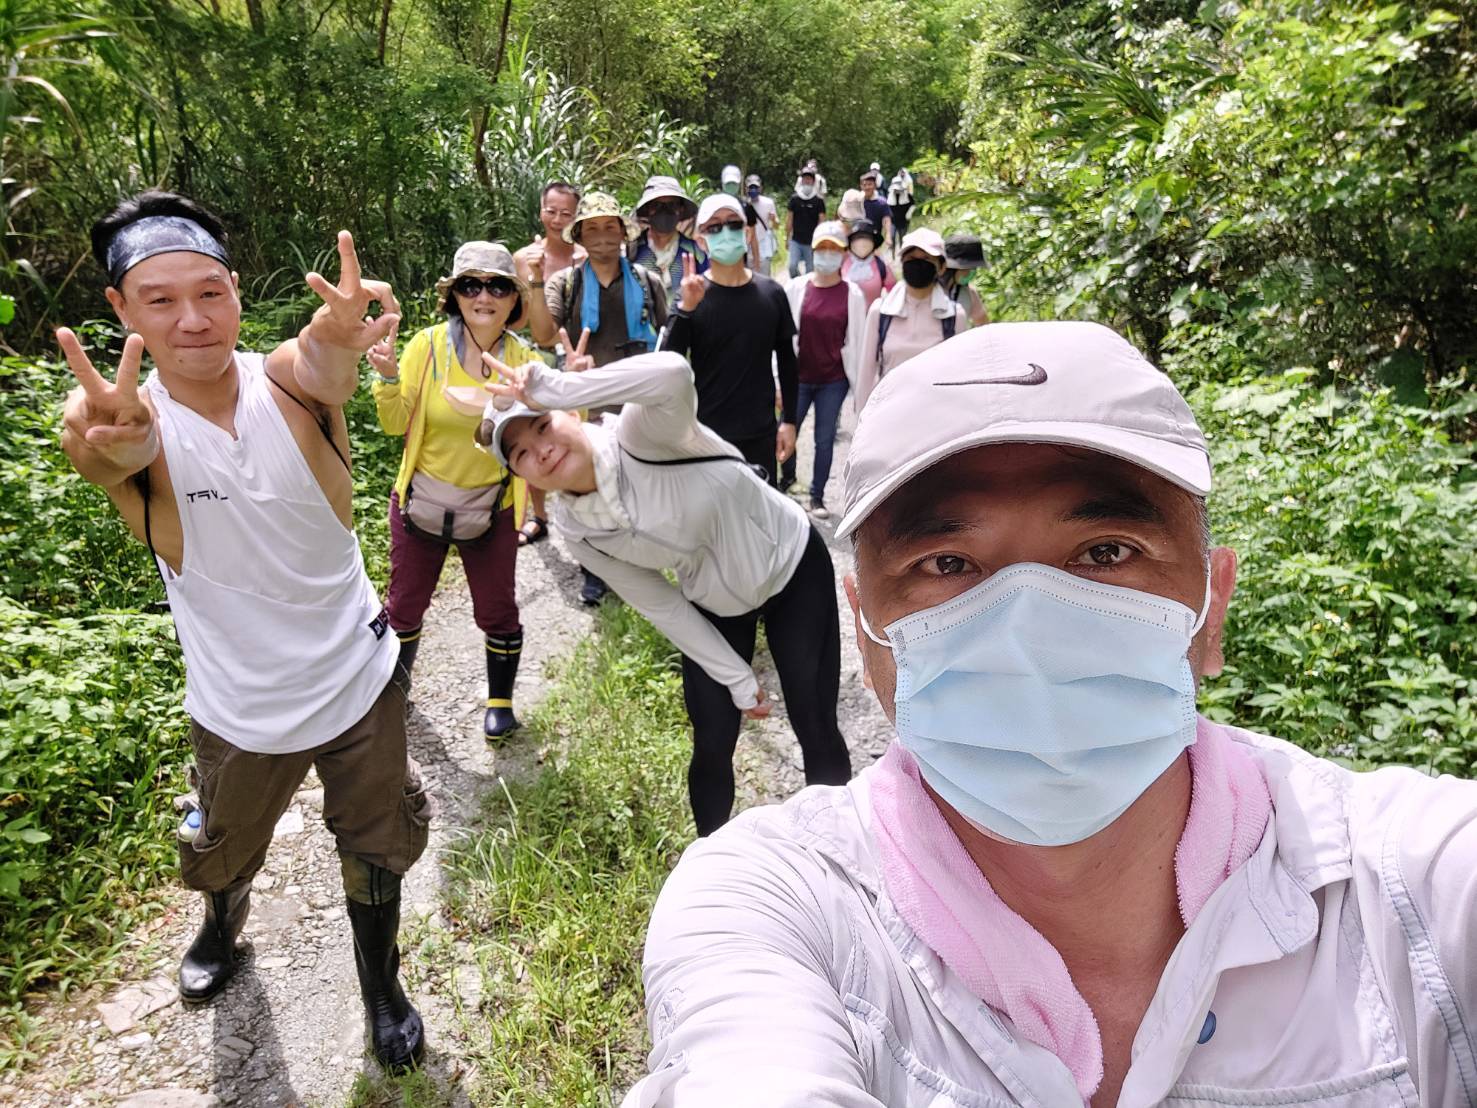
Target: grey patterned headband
(159, 234)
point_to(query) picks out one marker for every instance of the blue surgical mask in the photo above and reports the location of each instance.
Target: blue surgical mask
(1041, 705)
(727, 247)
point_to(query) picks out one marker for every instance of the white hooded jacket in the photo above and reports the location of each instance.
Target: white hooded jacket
(1338, 961)
(856, 321)
(732, 540)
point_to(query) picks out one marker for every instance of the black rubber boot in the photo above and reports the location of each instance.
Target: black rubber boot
(593, 590)
(211, 959)
(503, 652)
(410, 643)
(397, 1038)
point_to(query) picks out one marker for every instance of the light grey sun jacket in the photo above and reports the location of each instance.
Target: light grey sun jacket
(732, 540)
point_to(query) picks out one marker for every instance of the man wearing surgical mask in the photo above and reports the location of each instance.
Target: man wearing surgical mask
(806, 209)
(660, 246)
(1060, 886)
(733, 325)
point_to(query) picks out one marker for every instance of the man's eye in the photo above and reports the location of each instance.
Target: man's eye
(1106, 554)
(946, 565)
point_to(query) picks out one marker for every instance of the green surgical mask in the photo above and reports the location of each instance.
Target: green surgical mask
(731, 187)
(727, 247)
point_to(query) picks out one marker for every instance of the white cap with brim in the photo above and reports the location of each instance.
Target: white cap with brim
(501, 418)
(718, 202)
(1067, 383)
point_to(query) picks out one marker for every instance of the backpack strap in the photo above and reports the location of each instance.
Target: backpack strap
(322, 419)
(884, 321)
(950, 322)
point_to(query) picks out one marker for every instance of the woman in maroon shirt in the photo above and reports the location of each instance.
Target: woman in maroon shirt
(830, 315)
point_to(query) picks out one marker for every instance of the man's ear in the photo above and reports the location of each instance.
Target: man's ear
(236, 283)
(115, 301)
(1222, 586)
(853, 597)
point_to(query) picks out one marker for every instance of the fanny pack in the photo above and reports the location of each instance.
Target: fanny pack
(440, 510)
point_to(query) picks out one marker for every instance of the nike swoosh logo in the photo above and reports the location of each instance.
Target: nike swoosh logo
(1037, 376)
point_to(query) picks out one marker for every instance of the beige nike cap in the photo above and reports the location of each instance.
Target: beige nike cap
(1077, 384)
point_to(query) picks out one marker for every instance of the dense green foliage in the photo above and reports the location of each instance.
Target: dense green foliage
(1258, 185)
(1351, 629)
(419, 124)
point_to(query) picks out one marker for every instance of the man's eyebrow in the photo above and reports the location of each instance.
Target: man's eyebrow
(904, 529)
(1124, 505)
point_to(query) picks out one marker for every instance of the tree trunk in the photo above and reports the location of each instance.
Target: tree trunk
(502, 40)
(479, 155)
(254, 13)
(384, 29)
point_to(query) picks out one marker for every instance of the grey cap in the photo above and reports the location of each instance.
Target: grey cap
(1070, 383)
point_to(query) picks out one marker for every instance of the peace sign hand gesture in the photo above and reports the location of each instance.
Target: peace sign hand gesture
(343, 319)
(509, 384)
(109, 417)
(575, 358)
(694, 285)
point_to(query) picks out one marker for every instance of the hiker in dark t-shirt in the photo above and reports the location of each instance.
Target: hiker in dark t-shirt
(732, 324)
(806, 209)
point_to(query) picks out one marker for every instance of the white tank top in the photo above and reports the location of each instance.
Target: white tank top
(286, 644)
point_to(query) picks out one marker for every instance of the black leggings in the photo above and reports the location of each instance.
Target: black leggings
(803, 628)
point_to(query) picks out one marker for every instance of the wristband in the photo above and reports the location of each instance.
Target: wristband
(535, 284)
(386, 380)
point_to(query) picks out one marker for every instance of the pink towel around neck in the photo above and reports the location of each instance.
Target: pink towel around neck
(941, 894)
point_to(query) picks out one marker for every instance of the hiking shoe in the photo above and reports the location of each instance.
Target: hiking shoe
(818, 508)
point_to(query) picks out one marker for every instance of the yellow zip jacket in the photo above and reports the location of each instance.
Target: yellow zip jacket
(404, 408)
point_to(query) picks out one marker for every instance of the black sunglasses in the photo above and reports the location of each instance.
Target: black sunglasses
(498, 288)
(731, 225)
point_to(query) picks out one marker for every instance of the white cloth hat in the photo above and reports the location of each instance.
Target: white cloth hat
(925, 239)
(730, 173)
(1075, 384)
(718, 202)
(831, 231)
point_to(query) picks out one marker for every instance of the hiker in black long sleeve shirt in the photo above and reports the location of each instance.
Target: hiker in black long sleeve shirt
(732, 325)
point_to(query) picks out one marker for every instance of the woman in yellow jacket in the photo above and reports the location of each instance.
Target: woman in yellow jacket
(449, 492)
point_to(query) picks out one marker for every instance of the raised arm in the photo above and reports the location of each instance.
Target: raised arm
(673, 615)
(322, 363)
(739, 994)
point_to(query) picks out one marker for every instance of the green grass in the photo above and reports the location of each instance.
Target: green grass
(549, 898)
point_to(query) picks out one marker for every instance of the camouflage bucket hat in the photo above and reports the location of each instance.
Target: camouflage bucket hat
(485, 259)
(598, 205)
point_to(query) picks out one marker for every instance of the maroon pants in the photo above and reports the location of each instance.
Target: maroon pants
(415, 567)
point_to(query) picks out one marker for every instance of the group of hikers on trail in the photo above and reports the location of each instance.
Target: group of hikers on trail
(1059, 885)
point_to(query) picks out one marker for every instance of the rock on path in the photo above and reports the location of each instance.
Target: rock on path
(288, 1030)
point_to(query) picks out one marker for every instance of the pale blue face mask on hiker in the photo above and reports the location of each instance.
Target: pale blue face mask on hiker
(1041, 705)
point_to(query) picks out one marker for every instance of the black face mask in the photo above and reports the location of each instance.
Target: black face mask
(919, 272)
(663, 222)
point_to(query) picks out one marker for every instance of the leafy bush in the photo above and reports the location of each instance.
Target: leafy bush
(1297, 177)
(1356, 522)
(89, 750)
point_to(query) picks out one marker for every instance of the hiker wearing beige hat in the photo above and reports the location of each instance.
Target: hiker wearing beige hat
(613, 307)
(910, 317)
(447, 492)
(1060, 886)
(661, 246)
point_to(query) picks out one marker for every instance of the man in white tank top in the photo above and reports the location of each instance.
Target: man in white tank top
(233, 468)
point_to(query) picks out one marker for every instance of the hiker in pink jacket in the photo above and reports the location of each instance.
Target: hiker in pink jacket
(1060, 886)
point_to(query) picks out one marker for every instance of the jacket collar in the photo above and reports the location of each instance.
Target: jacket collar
(894, 301)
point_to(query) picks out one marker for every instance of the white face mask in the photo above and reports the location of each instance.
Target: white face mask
(827, 261)
(805, 192)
